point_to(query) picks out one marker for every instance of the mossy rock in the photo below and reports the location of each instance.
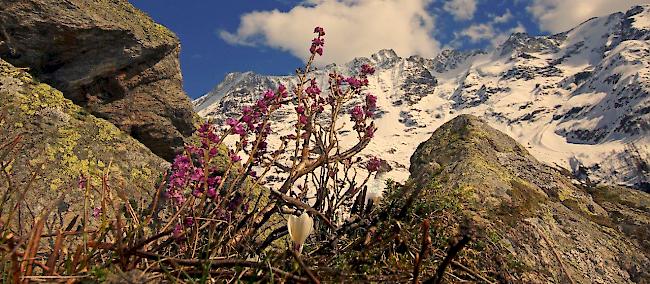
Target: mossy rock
(107, 57)
(535, 211)
(59, 142)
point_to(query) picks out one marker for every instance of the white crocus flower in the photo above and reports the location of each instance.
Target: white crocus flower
(299, 229)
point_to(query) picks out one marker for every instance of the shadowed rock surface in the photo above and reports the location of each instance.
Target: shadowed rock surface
(107, 57)
(539, 226)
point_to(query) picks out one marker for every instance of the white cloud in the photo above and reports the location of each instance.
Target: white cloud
(507, 16)
(353, 28)
(503, 36)
(461, 9)
(487, 32)
(479, 32)
(561, 15)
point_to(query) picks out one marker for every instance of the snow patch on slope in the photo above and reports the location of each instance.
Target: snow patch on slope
(577, 100)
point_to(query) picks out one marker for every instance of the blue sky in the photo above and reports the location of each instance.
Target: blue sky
(271, 36)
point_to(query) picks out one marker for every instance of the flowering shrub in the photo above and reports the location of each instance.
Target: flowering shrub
(218, 216)
(219, 204)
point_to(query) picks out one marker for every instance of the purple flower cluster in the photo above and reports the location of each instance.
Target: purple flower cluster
(373, 164)
(191, 171)
(82, 182)
(367, 70)
(199, 173)
(310, 105)
(318, 42)
(97, 211)
(360, 114)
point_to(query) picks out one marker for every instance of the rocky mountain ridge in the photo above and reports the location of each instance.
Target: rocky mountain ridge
(578, 100)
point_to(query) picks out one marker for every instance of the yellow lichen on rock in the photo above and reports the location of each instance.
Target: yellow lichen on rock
(62, 143)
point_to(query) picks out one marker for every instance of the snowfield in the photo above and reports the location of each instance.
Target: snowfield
(577, 100)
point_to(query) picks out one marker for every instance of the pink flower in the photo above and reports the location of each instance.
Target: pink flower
(212, 192)
(357, 113)
(246, 118)
(204, 128)
(320, 31)
(82, 182)
(214, 181)
(213, 152)
(234, 157)
(318, 41)
(177, 233)
(239, 129)
(231, 122)
(282, 91)
(371, 102)
(197, 175)
(367, 69)
(313, 89)
(300, 109)
(354, 82)
(261, 104)
(269, 95)
(302, 119)
(370, 131)
(176, 196)
(213, 137)
(97, 211)
(373, 164)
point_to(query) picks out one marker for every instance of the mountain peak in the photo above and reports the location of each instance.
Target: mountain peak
(523, 42)
(384, 55)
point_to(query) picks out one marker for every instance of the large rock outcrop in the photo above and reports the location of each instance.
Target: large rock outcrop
(48, 144)
(534, 224)
(108, 57)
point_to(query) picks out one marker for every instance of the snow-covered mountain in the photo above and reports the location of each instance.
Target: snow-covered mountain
(578, 100)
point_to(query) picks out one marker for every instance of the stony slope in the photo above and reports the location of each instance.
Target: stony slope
(59, 142)
(534, 224)
(578, 100)
(107, 57)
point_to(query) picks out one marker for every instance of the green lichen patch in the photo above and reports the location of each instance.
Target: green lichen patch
(62, 143)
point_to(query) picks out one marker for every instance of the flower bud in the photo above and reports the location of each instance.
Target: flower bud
(299, 229)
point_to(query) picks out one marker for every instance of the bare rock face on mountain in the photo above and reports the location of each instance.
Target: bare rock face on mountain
(579, 99)
(50, 149)
(107, 57)
(534, 225)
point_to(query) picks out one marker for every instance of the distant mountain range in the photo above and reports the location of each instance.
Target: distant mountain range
(578, 100)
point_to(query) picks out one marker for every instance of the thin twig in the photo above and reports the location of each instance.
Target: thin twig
(453, 251)
(557, 256)
(225, 262)
(304, 267)
(426, 242)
